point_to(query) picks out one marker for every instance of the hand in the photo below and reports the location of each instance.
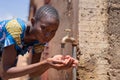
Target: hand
(62, 62)
(64, 59)
(75, 61)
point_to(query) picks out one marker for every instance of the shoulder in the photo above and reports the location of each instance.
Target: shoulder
(3, 23)
(15, 29)
(16, 22)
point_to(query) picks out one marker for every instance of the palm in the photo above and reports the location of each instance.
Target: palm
(58, 57)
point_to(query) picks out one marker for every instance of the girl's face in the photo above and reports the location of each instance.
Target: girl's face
(46, 29)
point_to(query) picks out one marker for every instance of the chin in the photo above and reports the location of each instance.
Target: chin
(44, 41)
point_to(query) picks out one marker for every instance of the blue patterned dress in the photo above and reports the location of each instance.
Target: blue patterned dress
(12, 33)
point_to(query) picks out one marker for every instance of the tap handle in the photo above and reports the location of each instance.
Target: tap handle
(68, 31)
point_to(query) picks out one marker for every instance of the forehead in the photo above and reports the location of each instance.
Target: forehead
(49, 21)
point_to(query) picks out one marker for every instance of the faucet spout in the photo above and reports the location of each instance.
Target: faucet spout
(68, 39)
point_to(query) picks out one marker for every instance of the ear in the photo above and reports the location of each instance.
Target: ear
(33, 21)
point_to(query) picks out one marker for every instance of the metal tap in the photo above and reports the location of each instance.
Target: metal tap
(68, 39)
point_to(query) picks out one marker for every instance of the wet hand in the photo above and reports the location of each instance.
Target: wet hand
(62, 62)
(75, 61)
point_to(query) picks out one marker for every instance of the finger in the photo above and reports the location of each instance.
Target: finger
(54, 61)
(57, 57)
(67, 56)
(69, 63)
(75, 62)
(59, 66)
(58, 62)
(75, 66)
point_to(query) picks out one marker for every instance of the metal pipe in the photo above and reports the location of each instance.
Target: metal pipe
(69, 39)
(74, 50)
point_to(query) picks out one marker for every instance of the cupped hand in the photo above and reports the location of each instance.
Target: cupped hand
(75, 61)
(60, 62)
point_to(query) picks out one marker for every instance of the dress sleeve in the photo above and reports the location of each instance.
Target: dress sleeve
(13, 33)
(9, 41)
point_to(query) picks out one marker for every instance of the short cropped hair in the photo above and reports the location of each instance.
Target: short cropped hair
(46, 11)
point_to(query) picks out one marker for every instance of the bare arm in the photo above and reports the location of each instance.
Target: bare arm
(36, 58)
(11, 71)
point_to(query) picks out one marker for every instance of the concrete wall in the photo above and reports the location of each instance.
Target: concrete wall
(93, 40)
(114, 39)
(99, 40)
